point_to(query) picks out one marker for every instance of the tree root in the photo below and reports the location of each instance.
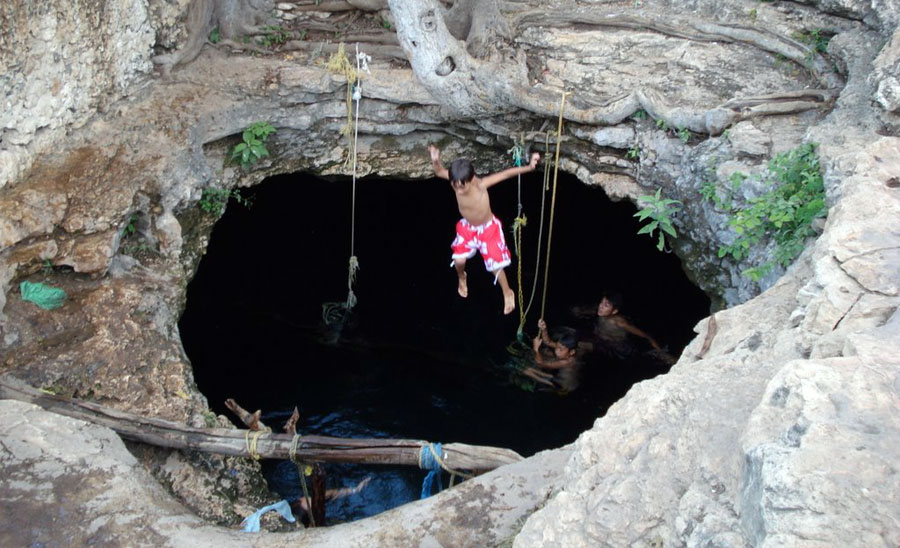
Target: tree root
(697, 31)
(713, 121)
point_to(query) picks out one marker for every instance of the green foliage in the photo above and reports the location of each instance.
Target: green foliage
(633, 153)
(709, 192)
(130, 226)
(639, 114)
(661, 124)
(659, 210)
(815, 38)
(684, 134)
(273, 35)
(785, 213)
(752, 14)
(253, 147)
(215, 36)
(214, 199)
(385, 24)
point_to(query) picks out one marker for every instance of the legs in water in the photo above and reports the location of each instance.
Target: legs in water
(509, 298)
(463, 289)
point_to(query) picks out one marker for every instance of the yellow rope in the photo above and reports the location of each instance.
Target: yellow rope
(562, 105)
(252, 443)
(523, 311)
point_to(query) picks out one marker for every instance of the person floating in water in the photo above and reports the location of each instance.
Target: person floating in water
(479, 230)
(561, 354)
(611, 330)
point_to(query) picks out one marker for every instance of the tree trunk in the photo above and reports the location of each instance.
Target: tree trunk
(244, 443)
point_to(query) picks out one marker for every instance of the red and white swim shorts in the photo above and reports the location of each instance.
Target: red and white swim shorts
(487, 239)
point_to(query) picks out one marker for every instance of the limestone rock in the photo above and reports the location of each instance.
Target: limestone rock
(886, 76)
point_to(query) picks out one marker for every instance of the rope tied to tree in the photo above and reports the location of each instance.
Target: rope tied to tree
(251, 442)
(432, 458)
(303, 470)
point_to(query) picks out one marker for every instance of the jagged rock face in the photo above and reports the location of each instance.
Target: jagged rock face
(103, 162)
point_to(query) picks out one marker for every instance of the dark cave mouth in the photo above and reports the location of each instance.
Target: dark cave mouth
(417, 361)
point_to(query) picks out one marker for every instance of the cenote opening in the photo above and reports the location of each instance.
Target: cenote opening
(417, 361)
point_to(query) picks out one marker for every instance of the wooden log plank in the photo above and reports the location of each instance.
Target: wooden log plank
(225, 441)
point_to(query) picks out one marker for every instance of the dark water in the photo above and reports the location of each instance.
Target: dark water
(418, 362)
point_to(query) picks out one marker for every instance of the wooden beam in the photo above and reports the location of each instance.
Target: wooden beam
(228, 441)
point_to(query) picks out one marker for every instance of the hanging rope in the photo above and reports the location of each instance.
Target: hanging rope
(562, 105)
(523, 311)
(337, 312)
(303, 470)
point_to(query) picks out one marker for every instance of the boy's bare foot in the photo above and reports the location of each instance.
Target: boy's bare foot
(463, 288)
(509, 301)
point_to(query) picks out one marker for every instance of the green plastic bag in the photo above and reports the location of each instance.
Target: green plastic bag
(44, 296)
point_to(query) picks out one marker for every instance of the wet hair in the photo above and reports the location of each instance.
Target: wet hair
(566, 337)
(614, 298)
(461, 171)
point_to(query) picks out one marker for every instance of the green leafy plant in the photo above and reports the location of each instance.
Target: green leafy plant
(633, 153)
(661, 124)
(214, 199)
(709, 192)
(684, 134)
(273, 35)
(131, 225)
(253, 145)
(785, 213)
(660, 211)
(215, 36)
(385, 23)
(639, 114)
(816, 39)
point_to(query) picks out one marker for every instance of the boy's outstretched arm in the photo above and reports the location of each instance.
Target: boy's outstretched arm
(436, 164)
(495, 178)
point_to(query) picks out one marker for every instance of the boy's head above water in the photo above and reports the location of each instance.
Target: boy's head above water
(461, 172)
(568, 343)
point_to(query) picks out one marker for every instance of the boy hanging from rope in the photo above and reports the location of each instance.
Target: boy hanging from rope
(479, 230)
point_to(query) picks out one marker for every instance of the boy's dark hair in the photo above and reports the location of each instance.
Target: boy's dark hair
(566, 337)
(461, 171)
(614, 298)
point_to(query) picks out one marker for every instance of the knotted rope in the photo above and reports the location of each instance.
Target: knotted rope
(431, 459)
(523, 310)
(334, 312)
(252, 442)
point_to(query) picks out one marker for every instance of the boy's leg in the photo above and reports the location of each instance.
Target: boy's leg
(460, 265)
(509, 298)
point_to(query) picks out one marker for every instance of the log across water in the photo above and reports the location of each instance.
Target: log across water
(228, 441)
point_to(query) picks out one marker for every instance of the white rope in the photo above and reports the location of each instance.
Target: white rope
(362, 64)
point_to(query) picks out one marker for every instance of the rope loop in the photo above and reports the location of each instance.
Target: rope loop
(251, 443)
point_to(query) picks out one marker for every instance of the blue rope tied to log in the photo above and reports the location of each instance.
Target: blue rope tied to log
(430, 459)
